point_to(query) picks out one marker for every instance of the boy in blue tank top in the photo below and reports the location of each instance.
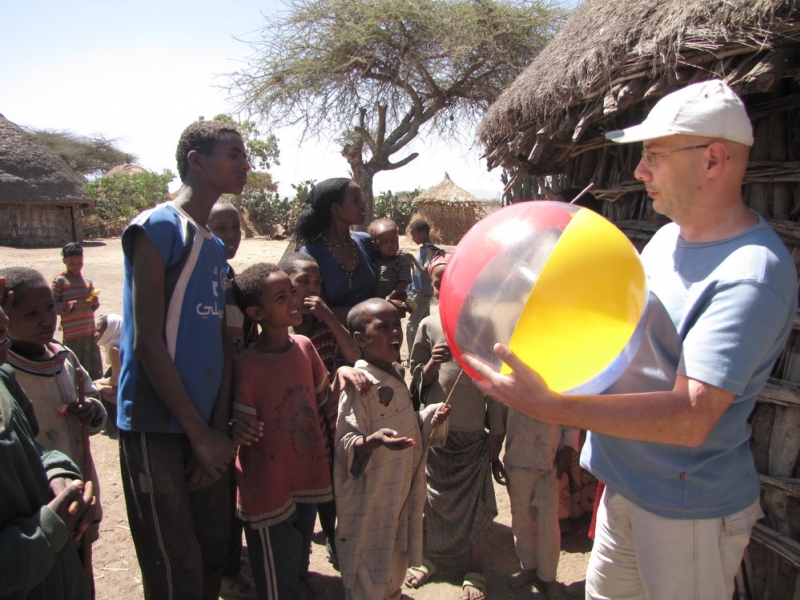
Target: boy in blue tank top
(174, 384)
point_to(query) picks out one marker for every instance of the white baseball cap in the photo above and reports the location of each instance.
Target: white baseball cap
(706, 109)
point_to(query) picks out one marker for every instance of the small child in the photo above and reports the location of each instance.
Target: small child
(45, 504)
(224, 222)
(330, 340)
(420, 292)
(280, 385)
(380, 487)
(49, 372)
(76, 301)
(393, 268)
(461, 502)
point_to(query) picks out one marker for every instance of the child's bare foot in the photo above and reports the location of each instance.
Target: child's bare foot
(523, 578)
(420, 574)
(552, 590)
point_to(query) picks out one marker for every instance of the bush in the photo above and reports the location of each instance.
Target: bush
(267, 213)
(120, 197)
(398, 207)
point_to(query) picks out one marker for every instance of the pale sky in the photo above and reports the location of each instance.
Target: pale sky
(142, 71)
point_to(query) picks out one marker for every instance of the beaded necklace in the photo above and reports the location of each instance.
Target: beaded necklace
(355, 257)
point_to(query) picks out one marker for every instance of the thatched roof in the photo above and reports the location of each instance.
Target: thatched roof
(613, 54)
(32, 173)
(446, 192)
(125, 169)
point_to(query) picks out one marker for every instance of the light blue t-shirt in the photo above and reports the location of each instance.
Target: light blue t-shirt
(195, 281)
(720, 312)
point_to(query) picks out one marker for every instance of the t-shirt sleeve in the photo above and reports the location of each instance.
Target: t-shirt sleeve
(733, 332)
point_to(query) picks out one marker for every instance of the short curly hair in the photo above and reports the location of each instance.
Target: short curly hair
(362, 313)
(247, 285)
(19, 277)
(201, 136)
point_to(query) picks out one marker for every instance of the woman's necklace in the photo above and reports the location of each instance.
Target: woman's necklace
(355, 257)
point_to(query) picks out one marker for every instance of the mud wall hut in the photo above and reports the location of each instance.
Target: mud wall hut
(40, 196)
(450, 210)
(604, 71)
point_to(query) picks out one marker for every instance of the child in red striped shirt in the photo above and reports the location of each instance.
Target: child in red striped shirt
(76, 302)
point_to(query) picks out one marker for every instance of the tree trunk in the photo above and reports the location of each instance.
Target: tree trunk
(362, 174)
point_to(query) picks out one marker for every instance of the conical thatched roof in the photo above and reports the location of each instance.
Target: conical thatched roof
(446, 192)
(32, 173)
(612, 54)
(125, 169)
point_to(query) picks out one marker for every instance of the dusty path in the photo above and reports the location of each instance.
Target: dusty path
(116, 570)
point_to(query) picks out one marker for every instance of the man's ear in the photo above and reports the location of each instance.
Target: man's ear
(717, 158)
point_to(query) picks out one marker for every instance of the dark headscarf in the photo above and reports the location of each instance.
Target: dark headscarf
(316, 214)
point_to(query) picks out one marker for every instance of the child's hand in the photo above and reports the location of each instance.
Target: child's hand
(317, 307)
(387, 437)
(74, 505)
(440, 353)
(246, 431)
(86, 411)
(361, 382)
(442, 414)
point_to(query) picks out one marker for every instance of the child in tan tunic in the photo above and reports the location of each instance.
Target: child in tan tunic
(378, 451)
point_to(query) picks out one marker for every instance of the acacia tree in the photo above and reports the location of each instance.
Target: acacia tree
(88, 156)
(373, 73)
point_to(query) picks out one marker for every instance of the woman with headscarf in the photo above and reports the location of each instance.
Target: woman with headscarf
(109, 328)
(345, 257)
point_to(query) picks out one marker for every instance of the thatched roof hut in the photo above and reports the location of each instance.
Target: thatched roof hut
(40, 196)
(125, 169)
(450, 211)
(604, 71)
(615, 58)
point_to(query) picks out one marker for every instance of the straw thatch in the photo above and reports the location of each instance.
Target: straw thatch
(40, 196)
(125, 169)
(614, 59)
(450, 211)
(604, 71)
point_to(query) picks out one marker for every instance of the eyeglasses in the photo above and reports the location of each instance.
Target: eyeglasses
(650, 157)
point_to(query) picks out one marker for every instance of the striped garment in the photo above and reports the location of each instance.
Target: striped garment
(78, 322)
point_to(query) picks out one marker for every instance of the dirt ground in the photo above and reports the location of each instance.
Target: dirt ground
(116, 570)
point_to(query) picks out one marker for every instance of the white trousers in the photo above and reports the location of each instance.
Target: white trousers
(639, 555)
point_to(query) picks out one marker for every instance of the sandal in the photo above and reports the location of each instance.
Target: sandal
(475, 581)
(237, 587)
(420, 574)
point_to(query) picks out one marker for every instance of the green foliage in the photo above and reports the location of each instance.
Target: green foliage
(268, 213)
(398, 207)
(120, 197)
(88, 156)
(261, 151)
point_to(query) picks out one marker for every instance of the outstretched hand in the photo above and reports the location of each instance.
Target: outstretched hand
(387, 437)
(523, 389)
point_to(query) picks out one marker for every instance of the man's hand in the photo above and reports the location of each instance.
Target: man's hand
(246, 431)
(523, 389)
(197, 477)
(214, 451)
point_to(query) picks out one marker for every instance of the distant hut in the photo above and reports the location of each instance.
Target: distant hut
(605, 70)
(125, 169)
(450, 210)
(40, 196)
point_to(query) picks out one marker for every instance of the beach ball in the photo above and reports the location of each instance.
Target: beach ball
(557, 283)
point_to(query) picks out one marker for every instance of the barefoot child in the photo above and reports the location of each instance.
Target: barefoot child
(333, 343)
(76, 302)
(461, 503)
(378, 453)
(280, 386)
